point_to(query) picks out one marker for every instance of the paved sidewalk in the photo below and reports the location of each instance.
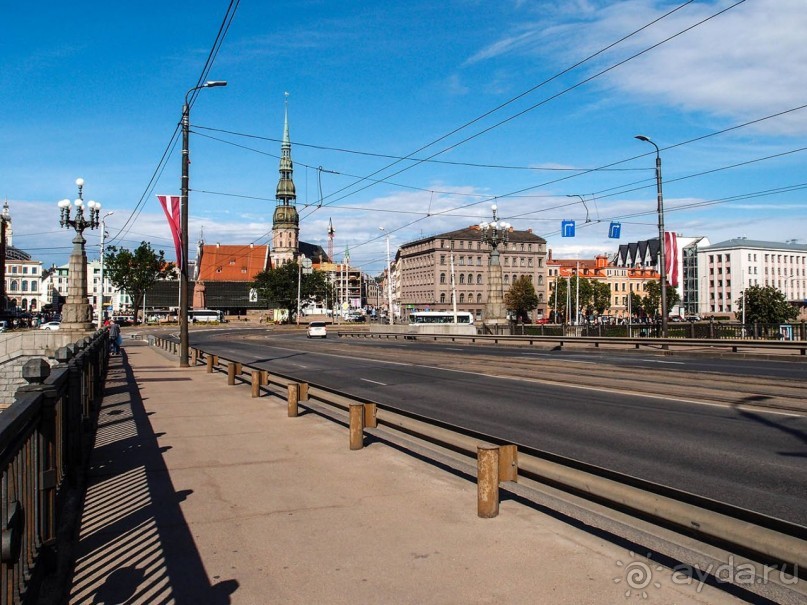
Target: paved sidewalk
(200, 494)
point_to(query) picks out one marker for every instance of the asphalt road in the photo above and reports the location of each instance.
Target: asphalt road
(743, 456)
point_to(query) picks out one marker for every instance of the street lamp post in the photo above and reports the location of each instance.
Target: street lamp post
(494, 234)
(389, 281)
(661, 262)
(77, 312)
(183, 270)
(103, 262)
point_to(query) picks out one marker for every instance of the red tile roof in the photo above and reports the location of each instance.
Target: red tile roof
(233, 262)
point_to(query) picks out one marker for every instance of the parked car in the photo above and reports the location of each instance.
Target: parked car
(51, 325)
(317, 328)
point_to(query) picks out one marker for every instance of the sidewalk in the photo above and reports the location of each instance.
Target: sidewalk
(200, 494)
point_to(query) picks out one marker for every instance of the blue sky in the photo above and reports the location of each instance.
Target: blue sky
(95, 90)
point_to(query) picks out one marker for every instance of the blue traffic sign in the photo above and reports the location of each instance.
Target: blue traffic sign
(615, 230)
(567, 228)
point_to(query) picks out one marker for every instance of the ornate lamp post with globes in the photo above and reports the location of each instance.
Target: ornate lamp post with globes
(494, 234)
(77, 312)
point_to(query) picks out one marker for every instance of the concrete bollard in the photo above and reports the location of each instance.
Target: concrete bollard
(303, 391)
(209, 361)
(231, 373)
(294, 398)
(256, 383)
(487, 481)
(194, 357)
(356, 426)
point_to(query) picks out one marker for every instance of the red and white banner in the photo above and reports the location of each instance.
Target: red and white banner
(171, 207)
(671, 257)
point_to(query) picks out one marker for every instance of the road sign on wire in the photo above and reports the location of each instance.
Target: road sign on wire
(567, 228)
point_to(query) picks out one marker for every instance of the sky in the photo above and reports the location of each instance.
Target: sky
(414, 116)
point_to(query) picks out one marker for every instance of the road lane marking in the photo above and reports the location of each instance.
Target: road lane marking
(383, 384)
(677, 363)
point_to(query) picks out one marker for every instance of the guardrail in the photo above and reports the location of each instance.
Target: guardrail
(750, 533)
(45, 440)
(561, 340)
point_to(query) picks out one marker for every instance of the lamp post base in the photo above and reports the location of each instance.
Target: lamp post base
(77, 317)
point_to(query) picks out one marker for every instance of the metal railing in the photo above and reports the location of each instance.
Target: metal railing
(577, 337)
(45, 440)
(750, 533)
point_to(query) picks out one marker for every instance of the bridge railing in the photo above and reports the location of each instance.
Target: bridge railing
(499, 461)
(577, 337)
(45, 440)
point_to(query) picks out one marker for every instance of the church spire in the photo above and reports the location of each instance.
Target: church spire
(286, 221)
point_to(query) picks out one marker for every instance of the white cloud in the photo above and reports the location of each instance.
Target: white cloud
(747, 63)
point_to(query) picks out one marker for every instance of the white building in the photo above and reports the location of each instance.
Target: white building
(54, 286)
(726, 268)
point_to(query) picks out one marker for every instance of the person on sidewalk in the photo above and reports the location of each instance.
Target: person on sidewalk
(114, 337)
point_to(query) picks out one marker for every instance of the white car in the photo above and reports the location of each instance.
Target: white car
(51, 325)
(317, 328)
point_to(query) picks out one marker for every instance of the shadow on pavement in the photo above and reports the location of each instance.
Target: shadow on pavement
(134, 544)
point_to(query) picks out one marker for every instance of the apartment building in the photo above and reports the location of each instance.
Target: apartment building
(427, 271)
(730, 266)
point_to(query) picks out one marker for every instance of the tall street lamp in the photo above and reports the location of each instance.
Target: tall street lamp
(77, 312)
(661, 260)
(389, 280)
(183, 270)
(494, 234)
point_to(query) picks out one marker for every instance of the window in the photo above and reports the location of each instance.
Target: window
(470, 278)
(506, 279)
(462, 261)
(540, 262)
(506, 261)
(462, 298)
(462, 278)
(25, 285)
(478, 261)
(442, 278)
(479, 298)
(540, 280)
(33, 286)
(479, 278)
(442, 297)
(442, 259)
(529, 262)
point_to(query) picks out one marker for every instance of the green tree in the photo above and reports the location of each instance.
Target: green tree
(766, 305)
(134, 272)
(636, 304)
(521, 297)
(600, 297)
(652, 301)
(278, 287)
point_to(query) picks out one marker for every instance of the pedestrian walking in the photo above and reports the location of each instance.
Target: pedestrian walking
(114, 337)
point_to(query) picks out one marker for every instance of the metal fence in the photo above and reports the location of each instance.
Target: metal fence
(45, 439)
(696, 330)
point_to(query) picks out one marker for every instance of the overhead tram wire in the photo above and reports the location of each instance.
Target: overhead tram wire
(548, 99)
(512, 100)
(160, 168)
(545, 100)
(378, 155)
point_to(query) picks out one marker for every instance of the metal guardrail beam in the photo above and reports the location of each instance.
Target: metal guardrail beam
(597, 341)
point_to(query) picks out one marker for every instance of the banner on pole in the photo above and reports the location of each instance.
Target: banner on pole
(171, 207)
(671, 257)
